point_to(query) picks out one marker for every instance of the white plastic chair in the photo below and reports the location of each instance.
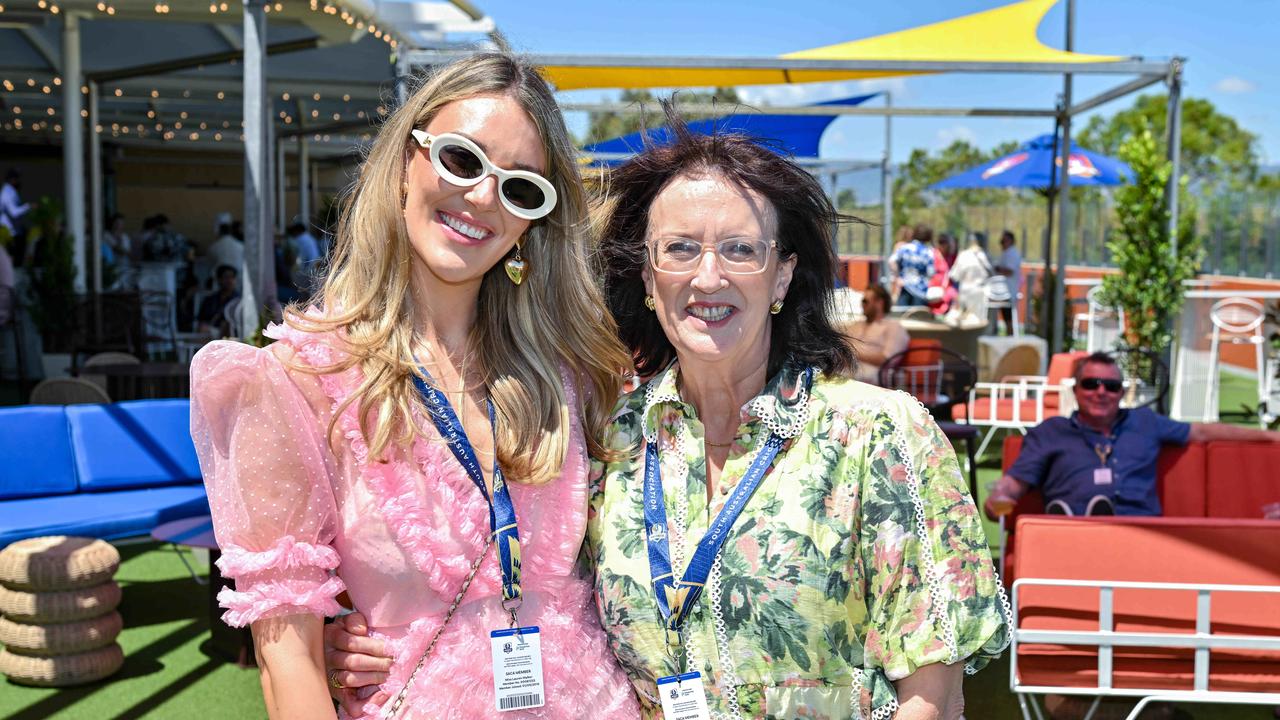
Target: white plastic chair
(1000, 295)
(1236, 321)
(1103, 325)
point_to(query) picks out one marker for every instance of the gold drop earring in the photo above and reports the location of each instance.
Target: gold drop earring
(515, 266)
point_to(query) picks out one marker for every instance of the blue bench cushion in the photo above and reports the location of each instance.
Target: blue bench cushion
(145, 443)
(106, 515)
(35, 452)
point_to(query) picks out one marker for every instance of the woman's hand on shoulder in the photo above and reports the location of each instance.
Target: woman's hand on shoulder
(354, 660)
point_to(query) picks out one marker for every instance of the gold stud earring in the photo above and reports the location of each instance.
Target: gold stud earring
(515, 266)
(648, 302)
(776, 307)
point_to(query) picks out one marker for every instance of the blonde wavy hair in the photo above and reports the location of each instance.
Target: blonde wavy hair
(523, 334)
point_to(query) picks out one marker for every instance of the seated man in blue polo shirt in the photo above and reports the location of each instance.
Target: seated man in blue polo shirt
(1101, 460)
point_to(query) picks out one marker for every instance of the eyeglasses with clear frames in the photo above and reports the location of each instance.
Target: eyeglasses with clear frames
(737, 256)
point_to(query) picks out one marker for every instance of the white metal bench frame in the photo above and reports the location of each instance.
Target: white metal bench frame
(1106, 639)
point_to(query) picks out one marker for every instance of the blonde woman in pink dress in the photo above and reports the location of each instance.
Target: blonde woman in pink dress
(419, 437)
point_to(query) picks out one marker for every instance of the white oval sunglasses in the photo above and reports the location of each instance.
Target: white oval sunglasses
(461, 162)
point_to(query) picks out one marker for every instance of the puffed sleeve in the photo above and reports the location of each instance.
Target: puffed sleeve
(932, 591)
(268, 473)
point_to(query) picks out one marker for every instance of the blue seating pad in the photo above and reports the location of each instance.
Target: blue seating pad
(106, 515)
(144, 443)
(35, 452)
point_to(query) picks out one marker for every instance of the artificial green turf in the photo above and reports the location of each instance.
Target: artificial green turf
(167, 671)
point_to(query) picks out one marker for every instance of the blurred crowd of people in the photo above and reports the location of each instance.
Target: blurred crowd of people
(950, 281)
(208, 276)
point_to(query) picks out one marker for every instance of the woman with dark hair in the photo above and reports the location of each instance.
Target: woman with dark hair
(844, 564)
(770, 538)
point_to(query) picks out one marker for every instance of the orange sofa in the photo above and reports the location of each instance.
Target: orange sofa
(1200, 480)
(1198, 551)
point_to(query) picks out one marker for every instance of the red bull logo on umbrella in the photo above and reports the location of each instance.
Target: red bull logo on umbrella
(1005, 165)
(1080, 166)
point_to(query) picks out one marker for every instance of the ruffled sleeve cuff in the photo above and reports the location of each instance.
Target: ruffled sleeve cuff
(288, 578)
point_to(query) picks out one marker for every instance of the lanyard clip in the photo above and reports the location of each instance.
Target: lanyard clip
(512, 606)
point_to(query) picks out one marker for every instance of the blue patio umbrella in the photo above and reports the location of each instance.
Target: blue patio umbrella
(796, 135)
(1038, 164)
(1029, 167)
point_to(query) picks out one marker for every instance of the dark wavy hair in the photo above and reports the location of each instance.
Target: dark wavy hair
(806, 223)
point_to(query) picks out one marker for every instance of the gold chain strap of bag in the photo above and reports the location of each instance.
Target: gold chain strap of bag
(394, 707)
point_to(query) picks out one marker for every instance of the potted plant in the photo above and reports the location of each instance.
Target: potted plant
(1149, 286)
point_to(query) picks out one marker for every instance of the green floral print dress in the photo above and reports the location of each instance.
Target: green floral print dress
(859, 558)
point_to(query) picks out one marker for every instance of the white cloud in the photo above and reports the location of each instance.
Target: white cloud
(946, 136)
(1233, 85)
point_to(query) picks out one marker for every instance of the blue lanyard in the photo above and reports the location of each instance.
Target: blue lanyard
(502, 512)
(677, 597)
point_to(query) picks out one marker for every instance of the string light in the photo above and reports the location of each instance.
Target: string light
(119, 92)
(57, 81)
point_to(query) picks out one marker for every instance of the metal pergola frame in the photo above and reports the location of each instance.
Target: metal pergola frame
(1148, 72)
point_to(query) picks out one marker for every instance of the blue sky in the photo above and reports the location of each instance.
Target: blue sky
(1226, 43)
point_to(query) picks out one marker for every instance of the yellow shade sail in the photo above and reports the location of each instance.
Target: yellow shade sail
(1005, 34)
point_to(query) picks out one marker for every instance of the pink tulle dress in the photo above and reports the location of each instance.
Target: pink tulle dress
(298, 523)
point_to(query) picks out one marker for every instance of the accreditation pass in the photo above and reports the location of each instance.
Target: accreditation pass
(517, 669)
(683, 697)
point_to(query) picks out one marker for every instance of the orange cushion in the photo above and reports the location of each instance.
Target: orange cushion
(1063, 365)
(1180, 480)
(1004, 410)
(1130, 672)
(1242, 477)
(1191, 550)
(922, 352)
